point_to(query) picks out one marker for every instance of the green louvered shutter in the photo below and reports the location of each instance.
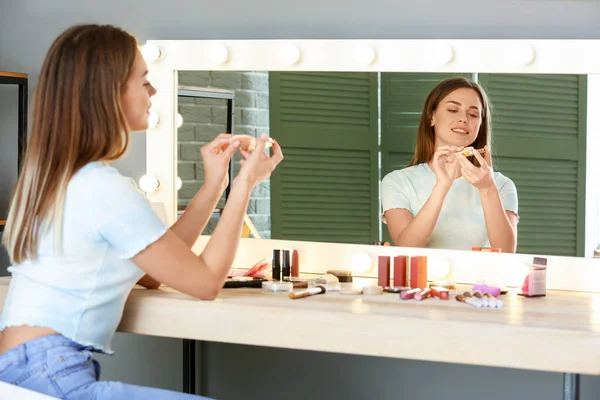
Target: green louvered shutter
(402, 98)
(538, 137)
(326, 188)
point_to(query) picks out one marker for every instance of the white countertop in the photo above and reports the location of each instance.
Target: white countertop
(559, 333)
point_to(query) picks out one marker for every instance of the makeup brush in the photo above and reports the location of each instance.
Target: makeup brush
(319, 289)
(468, 300)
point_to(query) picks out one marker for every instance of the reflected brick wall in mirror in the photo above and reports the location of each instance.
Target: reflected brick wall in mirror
(203, 119)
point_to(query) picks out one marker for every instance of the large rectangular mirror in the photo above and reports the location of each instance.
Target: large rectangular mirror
(342, 132)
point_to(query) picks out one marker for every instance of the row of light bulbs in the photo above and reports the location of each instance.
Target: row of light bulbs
(290, 54)
(149, 183)
(154, 119)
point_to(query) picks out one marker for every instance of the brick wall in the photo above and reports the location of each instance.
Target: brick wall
(203, 119)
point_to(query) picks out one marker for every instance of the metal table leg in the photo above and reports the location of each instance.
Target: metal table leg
(189, 366)
(571, 387)
(203, 369)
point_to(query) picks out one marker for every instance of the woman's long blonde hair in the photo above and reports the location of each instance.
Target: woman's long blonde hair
(77, 118)
(426, 134)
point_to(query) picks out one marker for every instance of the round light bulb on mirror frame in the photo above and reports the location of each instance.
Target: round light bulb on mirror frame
(524, 54)
(437, 268)
(444, 54)
(361, 263)
(151, 52)
(149, 183)
(365, 55)
(178, 183)
(218, 54)
(290, 54)
(179, 120)
(153, 119)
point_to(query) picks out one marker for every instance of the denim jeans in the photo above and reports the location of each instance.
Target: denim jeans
(58, 367)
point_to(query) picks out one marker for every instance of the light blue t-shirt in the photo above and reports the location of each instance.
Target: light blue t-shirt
(81, 293)
(461, 224)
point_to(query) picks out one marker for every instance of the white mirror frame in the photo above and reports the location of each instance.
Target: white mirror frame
(166, 57)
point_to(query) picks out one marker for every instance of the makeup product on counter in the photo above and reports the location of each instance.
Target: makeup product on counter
(487, 300)
(492, 301)
(401, 267)
(468, 300)
(299, 284)
(483, 288)
(443, 284)
(418, 272)
(484, 301)
(331, 282)
(276, 265)
(277, 286)
(473, 299)
(342, 275)
(535, 281)
(319, 289)
(383, 271)
(243, 282)
(440, 292)
(372, 290)
(256, 271)
(409, 294)
(423, 294)
(286, 269)
(350, 290)
(295, 264)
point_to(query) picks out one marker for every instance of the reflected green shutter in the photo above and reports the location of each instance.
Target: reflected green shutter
(538, 139)
(326, 188)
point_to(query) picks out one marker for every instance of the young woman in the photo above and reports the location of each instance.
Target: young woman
(444, 199)
(80, 235)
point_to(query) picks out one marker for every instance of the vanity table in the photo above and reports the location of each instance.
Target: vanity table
(558, 333)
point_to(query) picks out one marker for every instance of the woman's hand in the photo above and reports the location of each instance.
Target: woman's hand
(445, 165)
(257, 165)
(481, 177)
(216, 156)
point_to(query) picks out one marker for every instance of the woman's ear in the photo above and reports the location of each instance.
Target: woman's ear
(433, 121)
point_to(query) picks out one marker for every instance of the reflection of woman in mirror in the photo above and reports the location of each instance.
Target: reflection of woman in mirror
(444, 199)
(80, 235)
